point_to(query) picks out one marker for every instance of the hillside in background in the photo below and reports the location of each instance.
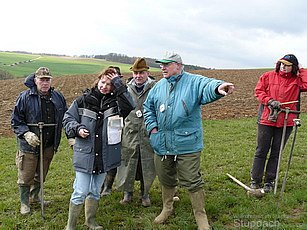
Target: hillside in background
(16, 65)
(19, 64)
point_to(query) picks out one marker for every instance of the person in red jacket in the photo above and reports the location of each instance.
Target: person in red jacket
(275, 90)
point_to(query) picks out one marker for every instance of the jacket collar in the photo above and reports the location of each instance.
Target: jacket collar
(175, 78)
(285, 75)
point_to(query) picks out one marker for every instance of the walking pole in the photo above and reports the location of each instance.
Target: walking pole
(297, 123)
(41, 167)
(287, 111)
(41, 125)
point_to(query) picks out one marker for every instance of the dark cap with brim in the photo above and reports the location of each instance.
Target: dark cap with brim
(289, 59)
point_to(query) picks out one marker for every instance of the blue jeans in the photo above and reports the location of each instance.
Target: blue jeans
(86, 186)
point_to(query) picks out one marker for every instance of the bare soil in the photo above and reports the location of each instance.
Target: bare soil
(241, 103)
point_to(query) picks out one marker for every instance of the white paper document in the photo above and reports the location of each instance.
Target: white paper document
(115, 126)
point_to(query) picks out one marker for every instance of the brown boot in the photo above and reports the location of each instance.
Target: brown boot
(167, 199)
(198, 204)
(127, 198)
(74, 211)
(91, 207)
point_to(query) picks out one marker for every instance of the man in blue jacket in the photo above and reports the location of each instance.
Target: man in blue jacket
(172, 113)
(40, 103)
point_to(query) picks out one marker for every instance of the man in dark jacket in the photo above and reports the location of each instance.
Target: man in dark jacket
(40, 103)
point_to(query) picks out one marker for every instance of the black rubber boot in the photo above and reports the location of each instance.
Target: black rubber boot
(24, 199)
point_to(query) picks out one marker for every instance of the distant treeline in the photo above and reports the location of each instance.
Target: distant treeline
(122, 58)
(47, 54)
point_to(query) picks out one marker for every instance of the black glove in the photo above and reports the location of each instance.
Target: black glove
(274, 107)
(92, 99)
(274, 104)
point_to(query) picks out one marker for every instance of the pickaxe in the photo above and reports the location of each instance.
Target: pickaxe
(254, 192)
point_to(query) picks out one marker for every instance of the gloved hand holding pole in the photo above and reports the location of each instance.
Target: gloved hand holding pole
(32, 139)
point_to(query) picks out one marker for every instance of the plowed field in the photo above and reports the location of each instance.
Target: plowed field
(241, 103)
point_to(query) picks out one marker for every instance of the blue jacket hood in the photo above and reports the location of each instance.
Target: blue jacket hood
(29, 81)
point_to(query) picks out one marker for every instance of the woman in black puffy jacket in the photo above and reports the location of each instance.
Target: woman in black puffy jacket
(93, 125)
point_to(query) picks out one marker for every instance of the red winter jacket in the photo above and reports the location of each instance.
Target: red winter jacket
(282, 87)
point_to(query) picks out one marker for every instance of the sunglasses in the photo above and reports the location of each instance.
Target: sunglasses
(288, 57)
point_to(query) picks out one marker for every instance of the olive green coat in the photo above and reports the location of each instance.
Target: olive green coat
(134, 134)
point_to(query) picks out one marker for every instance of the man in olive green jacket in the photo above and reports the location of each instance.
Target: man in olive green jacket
(137, 154)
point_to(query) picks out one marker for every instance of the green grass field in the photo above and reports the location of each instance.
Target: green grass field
(58, 65)
(230, 146)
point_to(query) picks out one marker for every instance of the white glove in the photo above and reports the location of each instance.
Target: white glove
(71, 142)
(32, 139)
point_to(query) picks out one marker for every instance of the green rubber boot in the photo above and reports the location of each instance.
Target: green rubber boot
(74, 212)
(91, 207)
(167, 199)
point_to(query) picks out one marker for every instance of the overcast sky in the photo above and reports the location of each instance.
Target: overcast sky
(210, 33)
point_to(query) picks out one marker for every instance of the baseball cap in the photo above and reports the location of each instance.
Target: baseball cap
(168, 58)
(289, 59)
(43, 72)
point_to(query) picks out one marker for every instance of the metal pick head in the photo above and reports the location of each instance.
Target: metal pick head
(256, 192)
(297, 122)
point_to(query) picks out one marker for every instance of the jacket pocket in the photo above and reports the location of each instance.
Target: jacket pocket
(113, 156)
(155, 141)
(185, 139)
(82, 157)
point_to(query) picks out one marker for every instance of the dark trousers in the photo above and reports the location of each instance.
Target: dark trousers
(269, 137)
(110, 177)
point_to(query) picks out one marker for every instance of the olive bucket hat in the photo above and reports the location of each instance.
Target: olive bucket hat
(139, 65)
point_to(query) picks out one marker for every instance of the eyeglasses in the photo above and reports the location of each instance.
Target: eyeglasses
(165, 65)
